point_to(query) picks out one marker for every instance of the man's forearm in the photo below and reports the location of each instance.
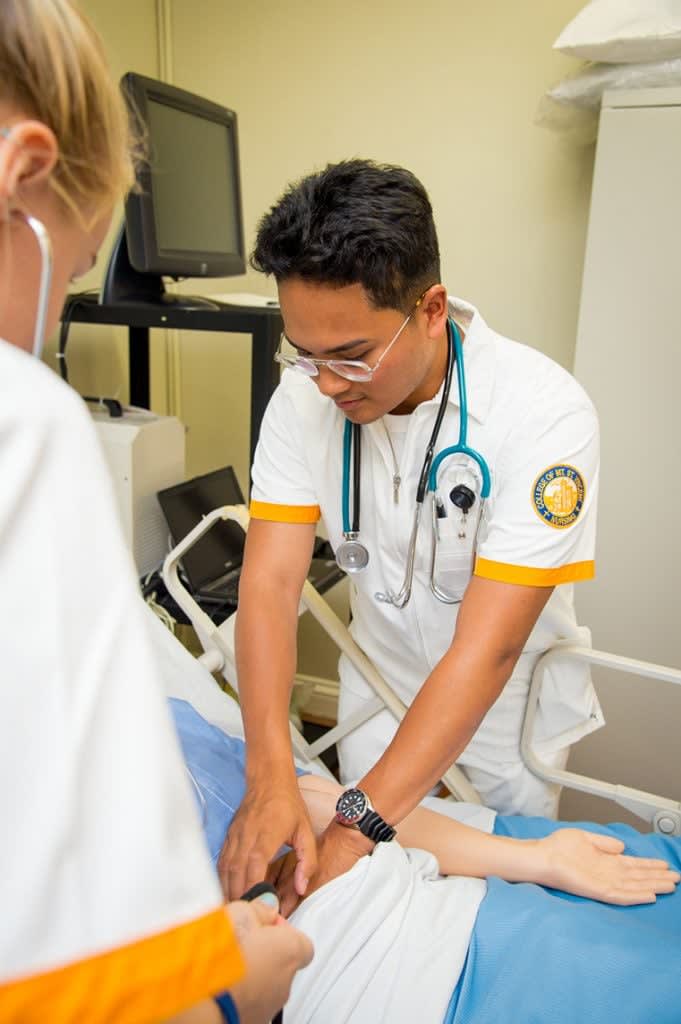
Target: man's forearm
(492, 627)
(437, 727)
(266, 629)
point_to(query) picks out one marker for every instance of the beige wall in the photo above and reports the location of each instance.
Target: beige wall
(446, 88)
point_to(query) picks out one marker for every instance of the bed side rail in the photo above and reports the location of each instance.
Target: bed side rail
(661, 813)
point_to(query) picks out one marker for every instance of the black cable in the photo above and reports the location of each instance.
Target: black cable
(72, 302)
(451, 359)
(112, 404)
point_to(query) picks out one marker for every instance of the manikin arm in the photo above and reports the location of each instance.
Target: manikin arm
(576, 861)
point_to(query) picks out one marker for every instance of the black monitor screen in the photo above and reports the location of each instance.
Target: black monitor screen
(184, 218)
(192, 168)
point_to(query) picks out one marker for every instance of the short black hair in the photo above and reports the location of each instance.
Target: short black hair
(355, 222)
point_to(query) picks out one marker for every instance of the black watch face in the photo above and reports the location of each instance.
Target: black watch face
(351, 806)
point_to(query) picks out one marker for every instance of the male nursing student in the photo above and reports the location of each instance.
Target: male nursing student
(111, 912)
(374, 346)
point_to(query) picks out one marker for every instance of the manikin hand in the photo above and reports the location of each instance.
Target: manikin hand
(592, 865)
(338, 849)
(272, 815)
(273, 956)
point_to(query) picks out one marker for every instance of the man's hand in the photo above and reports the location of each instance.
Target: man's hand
(592, 865)
(338, 849)
(272, 815)
(273, 956)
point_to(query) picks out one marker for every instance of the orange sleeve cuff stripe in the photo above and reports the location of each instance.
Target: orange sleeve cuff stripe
(285, 513)
(148, 980)
(530, 577)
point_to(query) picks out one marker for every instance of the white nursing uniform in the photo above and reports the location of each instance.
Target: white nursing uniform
(110, 907)
(538, 433)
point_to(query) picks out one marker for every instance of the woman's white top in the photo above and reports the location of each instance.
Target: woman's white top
(110, 907)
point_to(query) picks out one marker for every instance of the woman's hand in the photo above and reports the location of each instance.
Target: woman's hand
(274, 951)
(593, 865)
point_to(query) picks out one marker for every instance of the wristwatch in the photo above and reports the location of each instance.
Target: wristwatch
(354, 810)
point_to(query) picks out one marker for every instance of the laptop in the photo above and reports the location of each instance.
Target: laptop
(213, 565)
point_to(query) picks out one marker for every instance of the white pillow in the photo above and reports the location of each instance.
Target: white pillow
(624, 31)
(585, 89)
(571, 108)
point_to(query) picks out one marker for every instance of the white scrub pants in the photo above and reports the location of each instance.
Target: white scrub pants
(491, 761)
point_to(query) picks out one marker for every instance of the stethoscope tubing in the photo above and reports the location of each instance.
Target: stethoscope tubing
(427, 479)
(45, 245)
(352, 441)
(461, 447)
(347, 448)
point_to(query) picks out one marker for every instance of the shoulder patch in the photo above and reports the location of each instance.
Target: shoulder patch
(558, 496)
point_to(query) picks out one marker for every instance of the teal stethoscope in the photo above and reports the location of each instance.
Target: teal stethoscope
(351, 555)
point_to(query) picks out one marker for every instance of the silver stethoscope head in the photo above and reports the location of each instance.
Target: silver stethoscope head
(45, 245)
(351, 555)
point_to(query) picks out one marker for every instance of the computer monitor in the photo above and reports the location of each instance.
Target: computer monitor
(185, 217)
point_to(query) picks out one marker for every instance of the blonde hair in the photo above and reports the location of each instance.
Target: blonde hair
(53, 68)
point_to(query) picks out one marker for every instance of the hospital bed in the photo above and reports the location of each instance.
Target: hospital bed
(660, 813)
(585, 960)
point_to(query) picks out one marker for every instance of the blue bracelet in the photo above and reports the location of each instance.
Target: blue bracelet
(227, 1008)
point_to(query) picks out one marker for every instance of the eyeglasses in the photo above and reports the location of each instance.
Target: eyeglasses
(350, 369)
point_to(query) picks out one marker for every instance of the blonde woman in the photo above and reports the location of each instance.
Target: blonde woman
(110, 908)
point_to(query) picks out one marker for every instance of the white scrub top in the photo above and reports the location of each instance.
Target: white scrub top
(538, 432)
(110, 907)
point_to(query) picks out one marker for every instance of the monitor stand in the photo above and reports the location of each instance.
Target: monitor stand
(123, 285)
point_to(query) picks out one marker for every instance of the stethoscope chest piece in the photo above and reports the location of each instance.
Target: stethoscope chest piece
(351, 555)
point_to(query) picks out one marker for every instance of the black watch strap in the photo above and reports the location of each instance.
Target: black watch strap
(375, 828)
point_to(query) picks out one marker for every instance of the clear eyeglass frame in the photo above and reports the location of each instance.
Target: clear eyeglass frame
(349, 369)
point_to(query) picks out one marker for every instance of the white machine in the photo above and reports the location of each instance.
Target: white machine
(145, 453)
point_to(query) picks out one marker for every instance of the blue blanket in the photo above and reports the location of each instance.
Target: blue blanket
(216, 764)
(539, 956)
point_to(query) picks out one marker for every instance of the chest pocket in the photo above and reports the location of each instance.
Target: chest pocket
(456, 523)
